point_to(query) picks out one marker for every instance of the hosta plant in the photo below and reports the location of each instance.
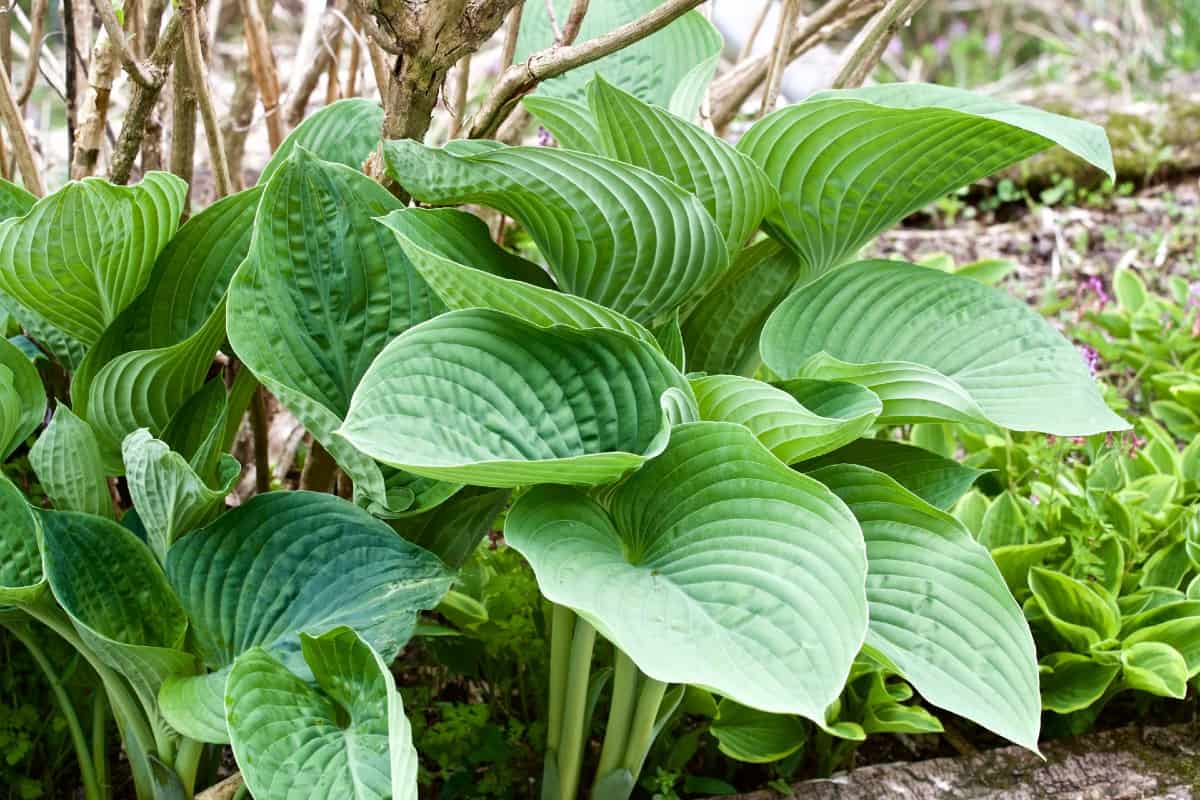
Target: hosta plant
(674, 403)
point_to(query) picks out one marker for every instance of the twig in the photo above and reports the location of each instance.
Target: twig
(208, 112)
(141, 103)
(570, 31)
(756, 29)
(133, 65)
(258, 425)
(520, 79)
(512, 28)
(859, 63)
(356, 48)
(37, 17)
(11, 115)
(462, 87)
(779, 55)
(378, 65)
(518, 118)
(6, 35)
(68, 12)
(183, 122)
(237, 123)
(262, 63)
(319, 469)
(95, 117)
(297, 103)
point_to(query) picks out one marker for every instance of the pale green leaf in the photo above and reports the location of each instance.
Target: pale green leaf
(1015, 561)
(937, 480)
(936, 347)
(66, 459)
(1084, 617)
(1071, 682)
(464, 398)
(15, 201)
(569, 121)
(756, 737)
(1003, 523)
(670, 570)
(1156, 668)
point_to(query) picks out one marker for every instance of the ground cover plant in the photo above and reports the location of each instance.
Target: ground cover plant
(679, 464)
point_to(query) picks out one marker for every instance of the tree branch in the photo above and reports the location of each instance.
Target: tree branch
(116, 34)
(779, 55)
(262, 63)
(512, 28)
(11, 115)
(142, 102)
(208, 112)
(95, 111)
(520, 79)
(859, 63)
(37, 17)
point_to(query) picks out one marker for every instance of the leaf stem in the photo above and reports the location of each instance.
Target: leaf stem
(187, 763)
(87, 770)
(100, 742)
(572, 736)
(641, 732)
(562, 625)
(620, 714)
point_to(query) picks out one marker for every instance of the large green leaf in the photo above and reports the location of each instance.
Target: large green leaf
(286, 563)
(443, 244)
(850, 163)
(721, 332)
(22, 398)
(732, 187)
(756, 737)
(788, 429)
(116, 595)
(569, 121)
(937, 480)
(21, 578)
(935, 346)
(82, 254)
(321, 292)
(714, 547)
(1156, 668)
(616, 234)
(1083, 616)
(344, 132)
(481, 397)
(66, 459)
(171, 499)
(15, 201)
(347, 736)
(940, 609)
(1071, 682)
(453, 529)
(671, 67)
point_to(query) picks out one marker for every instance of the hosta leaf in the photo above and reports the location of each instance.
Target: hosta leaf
(732, 187)
(344, 132)
(82, 254)
(721, 333)
(1003, 524)
(569, 121)
(22, 398)
(1183, 634)
(1081, 615)
(197, 431)
(170, 497)
(489, 378)
(940, 609)
(936, 346)
(347, 736)
(288, 562)
(453, 529)
(15, 200)
(788, 429)
(714, 526)
(118, 599)
(1156, 668)
(616, 234)
(850, 163)
(1071, 682)
(66, 459)
(936, 480)
(443, 244)
(323, 289)
(1015, 561)
(756, 737)
(671, 67)
(21, 578)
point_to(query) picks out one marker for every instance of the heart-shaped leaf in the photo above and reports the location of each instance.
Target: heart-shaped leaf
(344, 132)
(1156, 668)
(937, 480)
(489, 379)
(1081, 615)
(756, 737)
(850, 163)
(292, 562)
(713, 527)
(940, 609)
(22, 398)
(1071, 682)
(788, 429)
(347, 736)
(935, 346)
(618, 235)
(21, 578)
(66, 459)
(321, 292)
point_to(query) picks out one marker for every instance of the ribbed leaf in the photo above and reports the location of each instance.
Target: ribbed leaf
(345, 737)
(756, 737)
(344, 132)
(940, 609)
(618, 235)
(850, 163)
(732, 187)
(713, 527)
(721, 333)
(569, 121)
(66, 459)
(170, 497)
(323, 289)
(935, 346)
(1083, 616)
(937, 480)
(15, 201)
(1071, 682)
(21, 578)
(288, 562)
(448, 248)
(82, 254)
(1156, 668)
(453, 529)
(788, 429)
(465, 398)
(671, 67)
(116, 595)
(22, 398)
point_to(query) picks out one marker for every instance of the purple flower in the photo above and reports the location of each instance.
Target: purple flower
(992, 43)
(1090, 357)
(1095, 286)
(1194, 294)
(895, 48)
(941, 46)
(958, 29)
(544, 138)
(1034, 499)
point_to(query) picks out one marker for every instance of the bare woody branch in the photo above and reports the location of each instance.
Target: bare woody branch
(779, 55)
(190, 19)
(116, 34)
(103, 72)
(10, 113)
(142, 102)
(518, 118)
(262, 64)
(520, 79)
(37, 18)
(512, 28)
(863, 59)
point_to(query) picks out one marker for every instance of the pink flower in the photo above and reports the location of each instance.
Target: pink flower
(992, 43)
(1091, 358)
(544, 138)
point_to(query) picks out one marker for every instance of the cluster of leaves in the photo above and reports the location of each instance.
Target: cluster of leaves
(674, 404)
